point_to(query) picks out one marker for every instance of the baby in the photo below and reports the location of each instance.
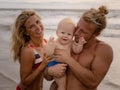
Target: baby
(65, 32)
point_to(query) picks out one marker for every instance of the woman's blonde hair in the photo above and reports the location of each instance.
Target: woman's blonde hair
(19, 36)
(96, 16)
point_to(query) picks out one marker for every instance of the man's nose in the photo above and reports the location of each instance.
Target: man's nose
(79, 33)
(76, 32)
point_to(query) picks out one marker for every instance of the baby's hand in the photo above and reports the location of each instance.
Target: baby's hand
(51, 40)
(50, 47)
(81, 41)
(77, 47)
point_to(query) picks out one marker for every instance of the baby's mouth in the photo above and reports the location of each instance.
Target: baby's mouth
(64, 39)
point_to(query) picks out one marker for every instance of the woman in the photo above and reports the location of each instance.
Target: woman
(28, 48)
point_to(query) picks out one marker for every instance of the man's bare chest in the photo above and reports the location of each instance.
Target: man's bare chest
(86, 58)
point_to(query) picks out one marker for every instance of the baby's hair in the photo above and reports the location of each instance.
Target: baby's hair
(64, 21)
(97, 16)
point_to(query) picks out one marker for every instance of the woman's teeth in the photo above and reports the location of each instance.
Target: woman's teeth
(39, 32)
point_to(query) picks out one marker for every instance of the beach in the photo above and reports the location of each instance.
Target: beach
(9, 70)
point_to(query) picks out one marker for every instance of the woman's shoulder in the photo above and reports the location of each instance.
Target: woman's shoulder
(26, 50)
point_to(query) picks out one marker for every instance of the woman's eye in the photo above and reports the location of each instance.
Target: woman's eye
(69, 34)
(37, 21)
(62, 32)
(31, 26)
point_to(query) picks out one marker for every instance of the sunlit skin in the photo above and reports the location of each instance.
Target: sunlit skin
(64, 41)
(87, 69)
(65, 32)
(34, 27)
(32, 79)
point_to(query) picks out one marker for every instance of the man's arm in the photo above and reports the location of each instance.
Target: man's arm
(47, 76)
(57, 70)
(99, 67)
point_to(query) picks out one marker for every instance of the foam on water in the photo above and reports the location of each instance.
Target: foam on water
(51, 17)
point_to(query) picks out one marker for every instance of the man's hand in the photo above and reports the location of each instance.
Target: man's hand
(61, 55)
(57, 70)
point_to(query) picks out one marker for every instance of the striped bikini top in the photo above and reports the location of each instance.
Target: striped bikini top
(38, 59)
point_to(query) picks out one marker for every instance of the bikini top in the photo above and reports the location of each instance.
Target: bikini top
(38, 59)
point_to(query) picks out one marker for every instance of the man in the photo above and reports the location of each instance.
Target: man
(86, 70)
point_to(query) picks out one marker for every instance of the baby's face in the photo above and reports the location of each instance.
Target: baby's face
(65, 33)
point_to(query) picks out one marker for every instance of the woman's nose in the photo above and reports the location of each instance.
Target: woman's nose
(37, 26)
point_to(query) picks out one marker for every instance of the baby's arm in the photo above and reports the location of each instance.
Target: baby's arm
(77, 47)
(50, 47)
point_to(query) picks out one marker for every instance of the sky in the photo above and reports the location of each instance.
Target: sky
(46, 0)
(113, 4)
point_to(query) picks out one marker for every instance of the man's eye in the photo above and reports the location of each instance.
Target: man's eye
(84, 32)
(37, 21)
(62, 32)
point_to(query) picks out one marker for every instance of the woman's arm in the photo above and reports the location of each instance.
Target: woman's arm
(26, 63)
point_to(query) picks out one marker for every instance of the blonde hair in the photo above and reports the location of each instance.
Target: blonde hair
(96, 16)
(64, 21)
(19, 37)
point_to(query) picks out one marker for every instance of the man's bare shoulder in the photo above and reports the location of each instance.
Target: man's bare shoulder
(105, 51)
(104, 46)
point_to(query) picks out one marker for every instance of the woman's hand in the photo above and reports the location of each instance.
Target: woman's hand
(47, 58)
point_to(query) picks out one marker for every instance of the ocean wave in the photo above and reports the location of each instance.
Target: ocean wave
(51, 17)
